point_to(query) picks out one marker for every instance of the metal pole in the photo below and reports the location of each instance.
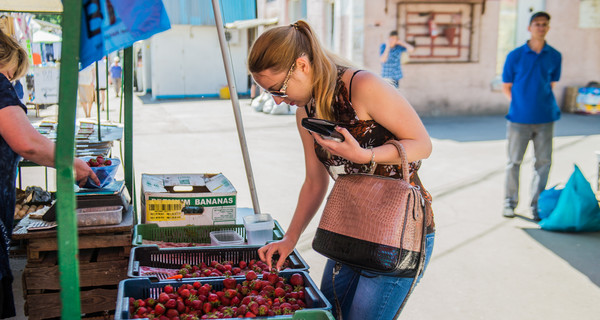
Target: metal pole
(235, 103)
(127, 96)
(97, 101)
(68, 263)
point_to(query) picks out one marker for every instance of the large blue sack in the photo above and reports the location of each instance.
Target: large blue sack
(577, 208)
(547, 201)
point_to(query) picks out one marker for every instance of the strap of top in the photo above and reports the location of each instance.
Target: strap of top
(350, 86)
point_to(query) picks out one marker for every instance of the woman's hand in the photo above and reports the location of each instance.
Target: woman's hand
(83, 171)
(283, 247)
(348, 149)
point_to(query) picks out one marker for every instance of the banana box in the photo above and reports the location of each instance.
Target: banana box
(188, 199)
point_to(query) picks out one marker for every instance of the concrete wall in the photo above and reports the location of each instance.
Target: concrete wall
(441, 88)
(187, 62)
(580, 47)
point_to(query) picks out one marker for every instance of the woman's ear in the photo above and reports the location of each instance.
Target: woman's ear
(303, 64)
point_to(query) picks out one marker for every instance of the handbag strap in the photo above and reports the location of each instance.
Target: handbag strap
(421, 265)
(403, 159)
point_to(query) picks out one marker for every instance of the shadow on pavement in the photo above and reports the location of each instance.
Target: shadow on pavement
(580, 250)
(493, 127)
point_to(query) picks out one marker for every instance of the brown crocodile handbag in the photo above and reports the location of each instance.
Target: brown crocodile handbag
(375, 223)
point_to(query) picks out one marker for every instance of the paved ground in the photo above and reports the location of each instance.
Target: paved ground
(483, 267)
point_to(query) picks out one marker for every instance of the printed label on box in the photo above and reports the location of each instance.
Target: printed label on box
(164, 209)
(223, 214)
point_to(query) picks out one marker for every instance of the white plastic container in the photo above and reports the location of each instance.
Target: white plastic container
(225, 238)
(98, 216)
(259, 228)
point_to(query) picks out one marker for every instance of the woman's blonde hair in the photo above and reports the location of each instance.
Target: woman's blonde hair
(279, 47)
(12, 53)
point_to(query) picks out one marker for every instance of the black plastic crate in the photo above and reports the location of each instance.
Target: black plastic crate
(143, 288)
(190, 234)
(174, 258)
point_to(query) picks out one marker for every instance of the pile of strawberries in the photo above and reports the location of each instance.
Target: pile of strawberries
(251, 298)
(226, 268)
(99, 161)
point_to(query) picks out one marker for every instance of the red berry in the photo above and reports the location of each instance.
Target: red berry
(296, 280)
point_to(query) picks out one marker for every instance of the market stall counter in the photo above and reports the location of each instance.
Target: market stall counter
(103, 261)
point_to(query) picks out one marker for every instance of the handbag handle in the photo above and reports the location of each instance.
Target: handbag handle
(403, 160)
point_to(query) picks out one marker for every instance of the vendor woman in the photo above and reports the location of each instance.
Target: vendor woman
(18, 139)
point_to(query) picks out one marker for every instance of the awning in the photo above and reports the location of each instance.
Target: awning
(31, 6)
(45, 37)
(251, 23)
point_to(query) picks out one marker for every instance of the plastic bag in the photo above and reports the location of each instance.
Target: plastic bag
(577, 208)
(547, 201)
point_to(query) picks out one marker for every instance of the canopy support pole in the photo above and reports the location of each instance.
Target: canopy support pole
(235, 103)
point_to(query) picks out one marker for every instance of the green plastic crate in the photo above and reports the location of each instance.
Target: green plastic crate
(307, 314)
(190, 234)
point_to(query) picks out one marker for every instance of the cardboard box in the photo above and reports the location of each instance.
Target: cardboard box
(188, 199)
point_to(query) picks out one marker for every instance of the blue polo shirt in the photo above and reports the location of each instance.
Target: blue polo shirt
(392, 68)
(531, 74)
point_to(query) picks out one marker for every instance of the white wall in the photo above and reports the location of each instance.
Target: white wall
(187, 62)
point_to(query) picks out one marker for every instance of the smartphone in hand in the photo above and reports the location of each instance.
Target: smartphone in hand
(324, 128)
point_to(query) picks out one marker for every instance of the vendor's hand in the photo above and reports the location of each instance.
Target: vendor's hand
(283, 247)
(348, 149)
(83, 171)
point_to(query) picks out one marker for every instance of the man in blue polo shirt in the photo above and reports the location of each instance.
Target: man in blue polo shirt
(390, 54)
(530, 73)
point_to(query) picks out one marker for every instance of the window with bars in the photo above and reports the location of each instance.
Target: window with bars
(440, 32)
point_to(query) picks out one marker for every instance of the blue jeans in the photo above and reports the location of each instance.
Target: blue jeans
(379, 297)
(518, 136)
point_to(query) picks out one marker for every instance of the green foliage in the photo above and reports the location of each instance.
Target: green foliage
(52, 18)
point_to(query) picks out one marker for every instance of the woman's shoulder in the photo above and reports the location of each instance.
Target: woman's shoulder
(8, 94)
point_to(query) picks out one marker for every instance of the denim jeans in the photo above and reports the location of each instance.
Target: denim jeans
(518, 136)
(377, 297)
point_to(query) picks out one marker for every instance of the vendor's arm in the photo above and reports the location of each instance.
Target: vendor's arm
(372, 98)
(312, 194)
(31, 145)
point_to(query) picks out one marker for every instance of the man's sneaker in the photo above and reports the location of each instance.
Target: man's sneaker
(508, 212)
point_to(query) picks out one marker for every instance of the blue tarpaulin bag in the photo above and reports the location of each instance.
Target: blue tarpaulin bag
(547, 201)
(577, 207)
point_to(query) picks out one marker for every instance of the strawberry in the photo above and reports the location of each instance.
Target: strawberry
(230, 293)
(196, 305)
(296, 280)
(251, 275)
(263, 310)
(235, 301)
(250, 315)
(206, 307)
(150, 302)
(172, 303)
(163, 297)
(159, 309)
(236, 270)
(243, 264)
(272, 277)
(171, 313)
(93, 162)
(253, 307)
(229, 283)
(100, 160)
(197, 285)
(107, 162)
(185, 293)
(168, 289)
(141, 311)
(279, 292)
(180, 306)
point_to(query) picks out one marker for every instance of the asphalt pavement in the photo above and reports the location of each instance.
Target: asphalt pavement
(484, 266)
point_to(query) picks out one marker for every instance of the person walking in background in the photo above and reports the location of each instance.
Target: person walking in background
(115, 75)
(390, 53)
(530, 73)
(86, 89)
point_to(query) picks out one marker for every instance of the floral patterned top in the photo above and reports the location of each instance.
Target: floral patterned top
(368, 133)
(8, 176)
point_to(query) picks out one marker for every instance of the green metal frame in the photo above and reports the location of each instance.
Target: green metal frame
(68, 262)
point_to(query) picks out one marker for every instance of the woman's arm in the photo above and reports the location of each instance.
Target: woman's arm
(31, 145)
(373, 98)
(311, 196)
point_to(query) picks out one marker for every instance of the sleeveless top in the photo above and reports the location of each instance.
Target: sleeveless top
(368, 133)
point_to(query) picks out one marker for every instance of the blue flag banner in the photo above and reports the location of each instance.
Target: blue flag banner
(111, 25)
